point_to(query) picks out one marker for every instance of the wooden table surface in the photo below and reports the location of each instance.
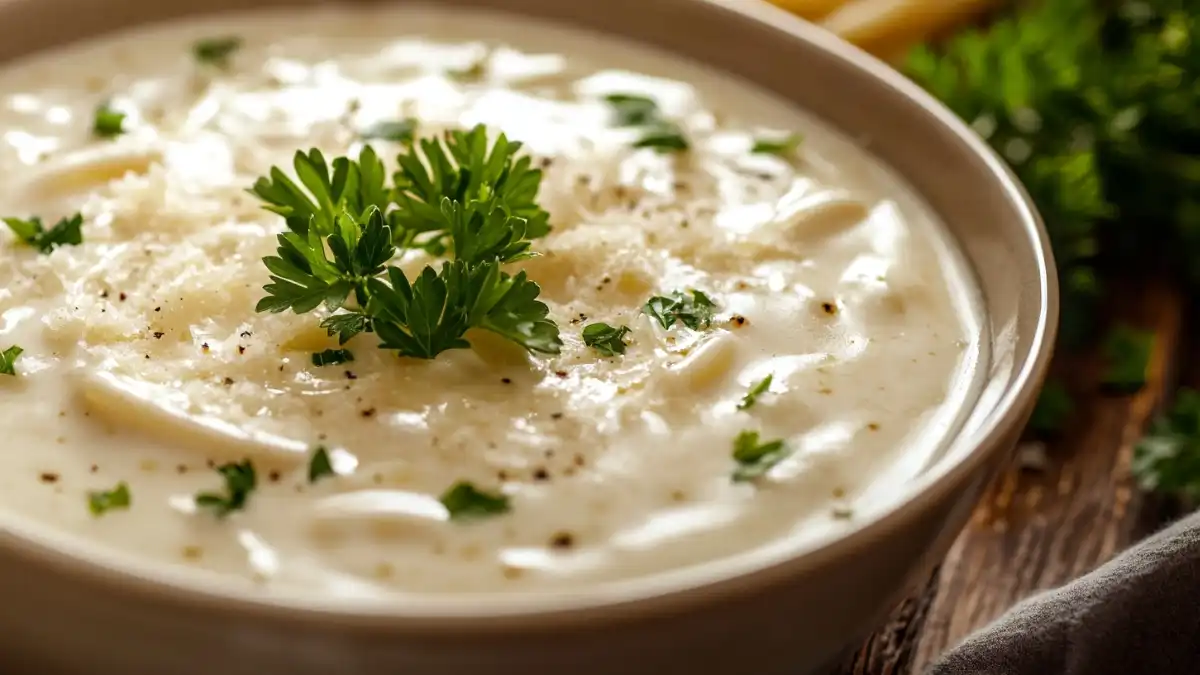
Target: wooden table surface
(1044, 523)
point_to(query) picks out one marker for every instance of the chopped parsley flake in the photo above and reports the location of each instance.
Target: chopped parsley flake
(606, 339)
(694, 310)
(1127, 351)
(346, 325)
(755, 459)
(781, 147)
(332, 357)
(664, 138)
(397, 131)
(102, 501)
(761, 387)
(240, 481)
(8, 358)
(66, 232)
(466, 502)
(108, 122)
(633, 110)
(319, 465)
(216, 51)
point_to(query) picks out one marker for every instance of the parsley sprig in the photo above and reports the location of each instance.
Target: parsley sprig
(456, 195)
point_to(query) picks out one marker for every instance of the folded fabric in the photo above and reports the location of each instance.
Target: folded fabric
(1138, 614)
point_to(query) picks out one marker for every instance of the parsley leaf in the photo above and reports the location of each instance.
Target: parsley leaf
(462, 168)
(606, 339)
(466, 502)
(754, 458)
(303, 277)
(8, 359)
(781, 147)
(332, 357)
(216, 51)
(108, 122)
(761, 387)
(240, 481)
(397, 131)
(1128, 352)
(633, 110)
(431, 314)
(694, 311)
(1054, 407)
(66, 232)
(351, 188)
(1167, 460)
(101, 501)
(319, 465)
(346, 325)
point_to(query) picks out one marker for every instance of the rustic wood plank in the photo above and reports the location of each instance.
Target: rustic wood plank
(1037, 529)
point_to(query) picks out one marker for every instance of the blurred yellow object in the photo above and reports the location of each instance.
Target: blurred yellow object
(888, 28)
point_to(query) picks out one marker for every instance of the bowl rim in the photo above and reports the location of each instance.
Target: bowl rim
(670, 591)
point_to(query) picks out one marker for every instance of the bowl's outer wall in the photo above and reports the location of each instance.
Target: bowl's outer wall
(57, 619)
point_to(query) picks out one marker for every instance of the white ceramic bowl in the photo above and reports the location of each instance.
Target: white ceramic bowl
(782, 611)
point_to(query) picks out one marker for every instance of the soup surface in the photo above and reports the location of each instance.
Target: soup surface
(768, 247)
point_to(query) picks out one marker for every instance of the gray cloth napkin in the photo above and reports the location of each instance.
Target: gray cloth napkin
(1138, 614)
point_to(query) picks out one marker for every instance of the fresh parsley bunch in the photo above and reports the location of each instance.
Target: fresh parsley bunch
(456, 195)
(1096, 106)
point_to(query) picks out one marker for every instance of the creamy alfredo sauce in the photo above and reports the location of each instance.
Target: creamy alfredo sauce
(145, 361)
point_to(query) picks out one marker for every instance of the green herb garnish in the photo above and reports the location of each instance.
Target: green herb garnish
(457, 194)
(102, 501)
(108, 122)
(66, 232)
(1167, 460)
(466, 502)
(397, 131)
(216, 51)
(240, 481)
(606, 339)
(332, 357)
(694, 310)
(755, 459)
(1127, 352)
(761, 387)
(781, 147)
(663, 138)
(633, 110)
(319, 465)
(8, 359)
